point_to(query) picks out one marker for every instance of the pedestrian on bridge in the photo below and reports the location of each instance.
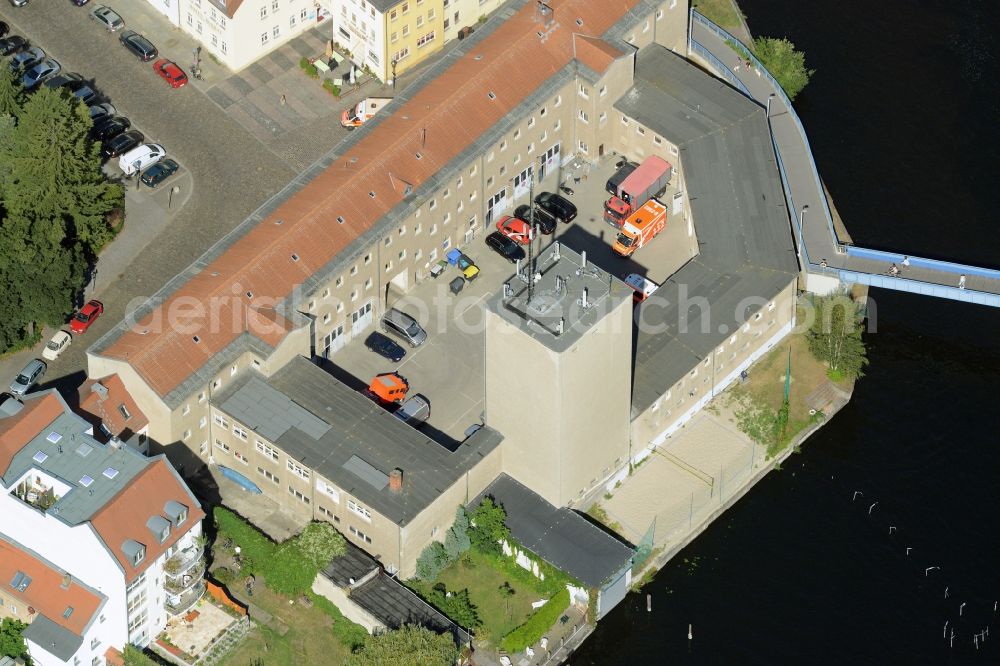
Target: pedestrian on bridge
(961, 281)
(906, 262)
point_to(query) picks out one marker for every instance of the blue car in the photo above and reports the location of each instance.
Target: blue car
(384, 346)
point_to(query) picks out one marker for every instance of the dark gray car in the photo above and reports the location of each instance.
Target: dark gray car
(139, 45)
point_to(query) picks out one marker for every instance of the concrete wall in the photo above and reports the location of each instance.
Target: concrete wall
(565, 415)
(353, 612)
(715, 372)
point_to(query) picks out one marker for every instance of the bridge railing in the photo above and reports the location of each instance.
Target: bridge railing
(779, 91)
(936, 265)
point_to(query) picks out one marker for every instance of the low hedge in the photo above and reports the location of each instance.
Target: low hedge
(535, 627)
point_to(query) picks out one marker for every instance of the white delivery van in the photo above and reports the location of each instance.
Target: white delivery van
(137, 159)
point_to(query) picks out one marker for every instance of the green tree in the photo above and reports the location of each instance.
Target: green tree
(490, 526)
(136, 657)
(407, 646)
(431, 561)
(456, 605)
(41, 271)
(11, 94)
(457, 540)
(835, 336)
(12, 638)
(507, 591)
(56, 171)
(786, 64)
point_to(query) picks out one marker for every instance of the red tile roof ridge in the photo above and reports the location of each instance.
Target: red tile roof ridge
(17, 430)
(259, 261)
(124, 516)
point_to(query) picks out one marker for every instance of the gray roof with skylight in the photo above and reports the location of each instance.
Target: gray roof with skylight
(63, 450)
(348, 439)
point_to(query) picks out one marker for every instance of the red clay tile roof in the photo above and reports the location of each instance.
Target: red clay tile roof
(114, 657)
(106, 410)
(595, 53)
(125, 516)
(45, 593)
(16, 431)
(511, 63)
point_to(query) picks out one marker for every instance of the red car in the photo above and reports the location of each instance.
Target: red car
(87, 315)
(515, 229)
(169, 70)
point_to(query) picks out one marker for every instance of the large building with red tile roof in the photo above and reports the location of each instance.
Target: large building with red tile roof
(99, 545)
(541, 90)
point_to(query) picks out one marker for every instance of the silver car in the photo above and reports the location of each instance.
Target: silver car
(26, 58)
(43, 70)
(28, 377)
(107, 17)
(414, 410)
(403, 325)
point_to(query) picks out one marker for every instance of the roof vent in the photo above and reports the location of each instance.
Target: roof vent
(419, 156)
(340, 219)
(353, 160)
(249, 294)
(100, 389)
(479, 56)
(491, 95)
(579, 22)
(295, 257)
(66, 581)
(279, 222)
(196, 339)
(371, 194)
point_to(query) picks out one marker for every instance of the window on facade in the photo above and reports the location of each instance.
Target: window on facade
(266, 450)
(222, 446)
(360, 510)
(268, 475)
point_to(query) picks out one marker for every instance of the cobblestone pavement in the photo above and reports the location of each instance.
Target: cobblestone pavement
(232, 172)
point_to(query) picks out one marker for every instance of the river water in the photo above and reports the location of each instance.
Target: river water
(903, 115)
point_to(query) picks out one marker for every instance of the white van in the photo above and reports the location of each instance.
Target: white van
(137, 159)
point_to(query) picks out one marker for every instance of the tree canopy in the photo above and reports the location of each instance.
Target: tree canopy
(786, 64)
(835, 336)
(54, 206)
(12, 638)
(490, 521)
(407, 646)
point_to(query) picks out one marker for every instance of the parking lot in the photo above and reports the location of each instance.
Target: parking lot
(448, 368)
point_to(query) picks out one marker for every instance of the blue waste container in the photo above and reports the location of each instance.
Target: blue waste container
(453, 255)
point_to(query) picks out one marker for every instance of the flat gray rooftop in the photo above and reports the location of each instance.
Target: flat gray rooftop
(560, 536)
(94, 472)
(568, 297)
(348, 439)
(747, 255)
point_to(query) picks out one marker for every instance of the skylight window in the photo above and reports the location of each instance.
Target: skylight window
(85, 481)
(295, 257)
(54, 437)
(68, 612)
(21, 581)
(491, 95)
(40, 457)
(123, 410)
(340, 219)
(84, 450)
(111, 472)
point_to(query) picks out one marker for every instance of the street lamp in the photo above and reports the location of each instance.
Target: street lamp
(802, 217)
(394, 73)
(769, 98)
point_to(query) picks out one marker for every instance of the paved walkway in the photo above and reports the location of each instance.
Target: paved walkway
(817, 238)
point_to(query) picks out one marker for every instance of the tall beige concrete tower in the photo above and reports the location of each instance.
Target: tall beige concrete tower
(558, 373)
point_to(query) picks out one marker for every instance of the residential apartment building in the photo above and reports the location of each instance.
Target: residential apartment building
(325, 452)
(238, 32)
(391, 36)
(320, 265)
(105, 542)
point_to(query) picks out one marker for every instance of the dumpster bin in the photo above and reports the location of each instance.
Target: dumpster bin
(453, 255)
(456, 285)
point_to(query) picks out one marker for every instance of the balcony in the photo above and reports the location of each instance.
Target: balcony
(179, 603)
(181, 583)
(183, 561)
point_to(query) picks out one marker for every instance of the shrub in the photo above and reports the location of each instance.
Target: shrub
(536, 625)
(457, 540)
(458, 606)
(224, 575)
(331, 88)
(303, 63)
(407, 646)
(431, 561)
(490, 526)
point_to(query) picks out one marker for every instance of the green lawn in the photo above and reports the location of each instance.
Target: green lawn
(483, 582)
(309, 640)
(720, 12)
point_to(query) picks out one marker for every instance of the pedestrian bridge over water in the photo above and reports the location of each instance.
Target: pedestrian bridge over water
(826, 259)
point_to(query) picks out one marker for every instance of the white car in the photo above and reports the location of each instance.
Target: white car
(137, 159)
(57, 345)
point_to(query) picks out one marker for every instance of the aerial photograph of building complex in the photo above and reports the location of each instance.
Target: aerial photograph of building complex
(498, 332)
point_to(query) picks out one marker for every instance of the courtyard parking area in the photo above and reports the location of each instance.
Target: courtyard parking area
(448, 368)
